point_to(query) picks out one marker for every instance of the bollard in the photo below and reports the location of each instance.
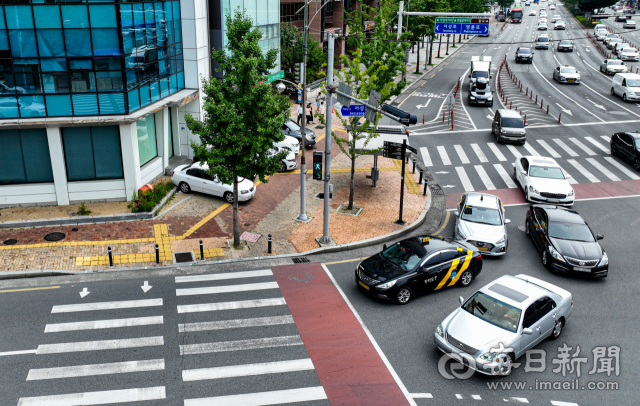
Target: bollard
(541, 103)
(413, 170)
(547, 109)
(510, 105)
(157, 254)
(536, 99)
(424, 193)
(531, 95)
(269, 244)
(559, 115)
(110, 257)
(525, 119)
(527, 93)
(452, 119)
(423, 119)
(420, 181)
(201, 251)
(520, 87)
(443, 114)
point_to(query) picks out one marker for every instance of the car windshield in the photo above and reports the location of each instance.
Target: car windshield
(545, 172)
(565, 42)
(570, 231)
(480, 74)
(405, 254)
(524, 51)
(493, 311)
(568, 70)
(293, 126)
(632, 50)
(482, 215)
(543, 39)
(633, 82)
(512, 122)
(615, 62)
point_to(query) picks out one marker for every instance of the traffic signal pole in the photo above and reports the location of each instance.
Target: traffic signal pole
(303, 168)
(404, 163)
(327, 141)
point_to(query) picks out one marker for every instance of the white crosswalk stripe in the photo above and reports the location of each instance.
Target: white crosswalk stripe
(602, 169)
(444, 156)
(505, 176)
(224, 276)
(239, 345)
(226, 289)
(582, 146)
(622, 168)
(241, 304)
(582, 170)
(530, 149)
(549, 149)
(103, 324)
(479, 153)
(484, 177)
(564, 146)
(96, 369)
(124, 304)
(514, 151)
(461, 154)
(234, 371)
(494, 148)
(97, 398)
(598, 145)
(426, 158)
(464, 179)
(607, 138)
(100, 345)
(237, 323)
(262, 398)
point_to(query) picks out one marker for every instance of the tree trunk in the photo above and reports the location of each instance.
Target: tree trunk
(236, 226)
(352, 184)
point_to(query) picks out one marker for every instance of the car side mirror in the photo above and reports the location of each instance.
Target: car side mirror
(523, 172)
(507, 221)
(527, 331)
(461, 299)
(469, 76)
(490, 76)
(455, 213)
(384, 247)
(599, 237)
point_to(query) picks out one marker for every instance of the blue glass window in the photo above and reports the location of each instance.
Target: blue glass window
(132, 80)
(53, 65)
(2, 26)
(84, 64)
(24, 157)
(28, 82)
(105, 42)
(134, 100)
(103, 16)
(31, 106)
(8, 107)
(4, 41)
(155, 91)
(85, 104)
(58, 105)
(92, 152)
(176, 11)
(109, 81)
(19, 17)
(147, 144)
(50, 42)
(164, 88)
(55, 82)
(106, 151)
(78, 42)
(23, 43)
(75, 17)
(173, 84)
(144, 96)
(111, 103)
(47, 16)
(180, 80)
(128, 34)
(82, 81)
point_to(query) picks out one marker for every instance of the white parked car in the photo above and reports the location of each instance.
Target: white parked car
(543, 180)
(194, 178)
(629, 54)
(289, 143)
(289, 163)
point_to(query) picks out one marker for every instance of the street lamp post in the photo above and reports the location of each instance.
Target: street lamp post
(303, 167)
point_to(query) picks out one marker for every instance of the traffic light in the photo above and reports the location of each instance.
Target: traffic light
(405, 118)
(317, 165)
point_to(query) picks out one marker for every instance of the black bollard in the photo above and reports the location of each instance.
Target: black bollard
(424, 193)
(269, 244)
(414, 166)
(110, 257)
(420, 181)
(157, 254)
(201, 251)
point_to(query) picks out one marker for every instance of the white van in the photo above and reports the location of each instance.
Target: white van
(627, 86)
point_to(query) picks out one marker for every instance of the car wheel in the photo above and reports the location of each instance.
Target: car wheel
(228, 197)
(465, 279)
(184, 187)
(636, 164)
(506, 366)
(526, 228)
(624, 97)
(612, 92)
(614, 149)
(283, 167)
(404, 296)
(545, 259)
(526, 194)
(557, 329)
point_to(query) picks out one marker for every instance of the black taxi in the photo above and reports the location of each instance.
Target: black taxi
(418, 265)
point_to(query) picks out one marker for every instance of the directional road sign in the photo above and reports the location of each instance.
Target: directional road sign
(275, 76)
(355, 110)
(471, 26)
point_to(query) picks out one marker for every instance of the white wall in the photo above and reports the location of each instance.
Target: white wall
(28, 194)
(130, 158)
(58, 165)
(97, 190)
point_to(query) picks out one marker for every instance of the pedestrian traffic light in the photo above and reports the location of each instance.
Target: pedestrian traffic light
(317, 165)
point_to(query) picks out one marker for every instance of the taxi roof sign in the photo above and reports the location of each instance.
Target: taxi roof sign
(425, 241)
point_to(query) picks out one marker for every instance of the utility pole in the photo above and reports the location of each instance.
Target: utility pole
(400, 10)
(303, 168)
(327, 140)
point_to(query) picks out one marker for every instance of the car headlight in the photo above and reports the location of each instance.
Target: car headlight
(440, 330)
(309, 138)
(571, 193)
(503, 131)
(533, 190)
(555, 254)
(490, 99)
(562, 78)
(461, 234)
(489, 356)
(502, 240)
(472, 97)
(604, 261)
(244, 192)
(522, 133)
(386, 285)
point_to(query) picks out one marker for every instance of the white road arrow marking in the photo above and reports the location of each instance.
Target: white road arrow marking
(84, 292)
(441, 172)
(449, 186)
(600, 106)
(564, 110)
(425, 105)
(145, 287)
(489, 117)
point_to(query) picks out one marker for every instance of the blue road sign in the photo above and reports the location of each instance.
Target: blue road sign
(470, 26)
(356, 110)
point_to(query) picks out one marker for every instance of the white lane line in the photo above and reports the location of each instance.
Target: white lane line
(581, 169)
(224, 276)
(240, 345)
(557, 403)
(564, 146)
(459, 396)
(444, 156)
(601, 147)
(494, 148)
(514, 151)
(479, 153)
(530, 149)
(621, 168)
(609, 100)
(242, 304)
(100, 345)
(124, 304)
(521, 400)
(476, 397)
(235, 371)
(262, 398)
(461, 154)
(484, 177)
(4, 354)
(426, 158)
(100, 324)
(96, 369)
(238, 323)
(505, 176)
(602, 169)
(582, 146)
(466, 183)
(421, 395)
(548, 148)
(466, 112)
(226, 289)
(97, 398)
(607, 138)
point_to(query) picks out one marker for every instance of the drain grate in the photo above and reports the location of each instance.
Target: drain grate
(436, 190)
(74, 229)
(300, 260)
(182, 257)
(54, 236)
(11, 241)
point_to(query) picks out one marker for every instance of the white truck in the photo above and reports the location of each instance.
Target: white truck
(480, 68)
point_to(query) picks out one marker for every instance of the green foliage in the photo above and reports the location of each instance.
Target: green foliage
(148, 199)
(505, 3)
(467, 6)
(82, 210)
(420, 25)
(291, 43)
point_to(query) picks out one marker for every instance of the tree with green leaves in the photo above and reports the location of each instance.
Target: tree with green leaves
(467, 6)
(377, 59)
(505, 3)
(291, 44)
(242, 115)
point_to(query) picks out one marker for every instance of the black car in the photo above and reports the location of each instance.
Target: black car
(567, 243)
(291, 128)
(418, 265)
(565, 45)
(480, 93)
(627, 146)
(524, 55)
(621, 18)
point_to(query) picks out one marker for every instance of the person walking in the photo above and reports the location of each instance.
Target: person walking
(321, 109)
(309, 113)
(299, 111)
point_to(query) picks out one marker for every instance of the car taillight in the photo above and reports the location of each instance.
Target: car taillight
(479, 257)
(572, 302)
(173, 173)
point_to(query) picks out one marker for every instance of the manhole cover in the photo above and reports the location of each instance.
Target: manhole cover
(300, 260)
(181, 257)
(54, 236)
(11, 241)
(521, 228)
(74, 229)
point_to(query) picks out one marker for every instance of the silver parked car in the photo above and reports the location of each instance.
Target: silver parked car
(503, 320)
(611, 66)
(194, 178)
(482, 223)
(566, 74)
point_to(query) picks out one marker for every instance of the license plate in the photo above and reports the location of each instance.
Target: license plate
(483, 248)
(480, 102)
(363, 285)
(580, 269)
(570, 80)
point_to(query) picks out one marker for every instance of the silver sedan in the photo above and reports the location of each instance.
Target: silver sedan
(481, 222)
(502, 321)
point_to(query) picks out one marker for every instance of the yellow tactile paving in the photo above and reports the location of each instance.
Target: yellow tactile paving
(412, 186)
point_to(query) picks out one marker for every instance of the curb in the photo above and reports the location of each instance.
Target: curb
(91, 220)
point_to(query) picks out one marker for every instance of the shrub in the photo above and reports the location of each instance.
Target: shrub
(148, 199)
(82, 210)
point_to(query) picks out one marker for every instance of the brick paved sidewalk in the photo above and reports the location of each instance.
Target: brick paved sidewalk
(201, 217)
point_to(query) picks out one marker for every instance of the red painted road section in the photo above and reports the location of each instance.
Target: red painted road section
(349, 368)
(583, 191)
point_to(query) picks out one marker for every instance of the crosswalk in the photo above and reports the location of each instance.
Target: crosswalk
(237, 343)
(489, 166)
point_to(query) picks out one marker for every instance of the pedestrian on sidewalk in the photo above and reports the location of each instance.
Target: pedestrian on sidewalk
(309, 113)
(299, 111)
(321, 109)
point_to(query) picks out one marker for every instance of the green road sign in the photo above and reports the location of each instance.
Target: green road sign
(275, 76)
(453, 20)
